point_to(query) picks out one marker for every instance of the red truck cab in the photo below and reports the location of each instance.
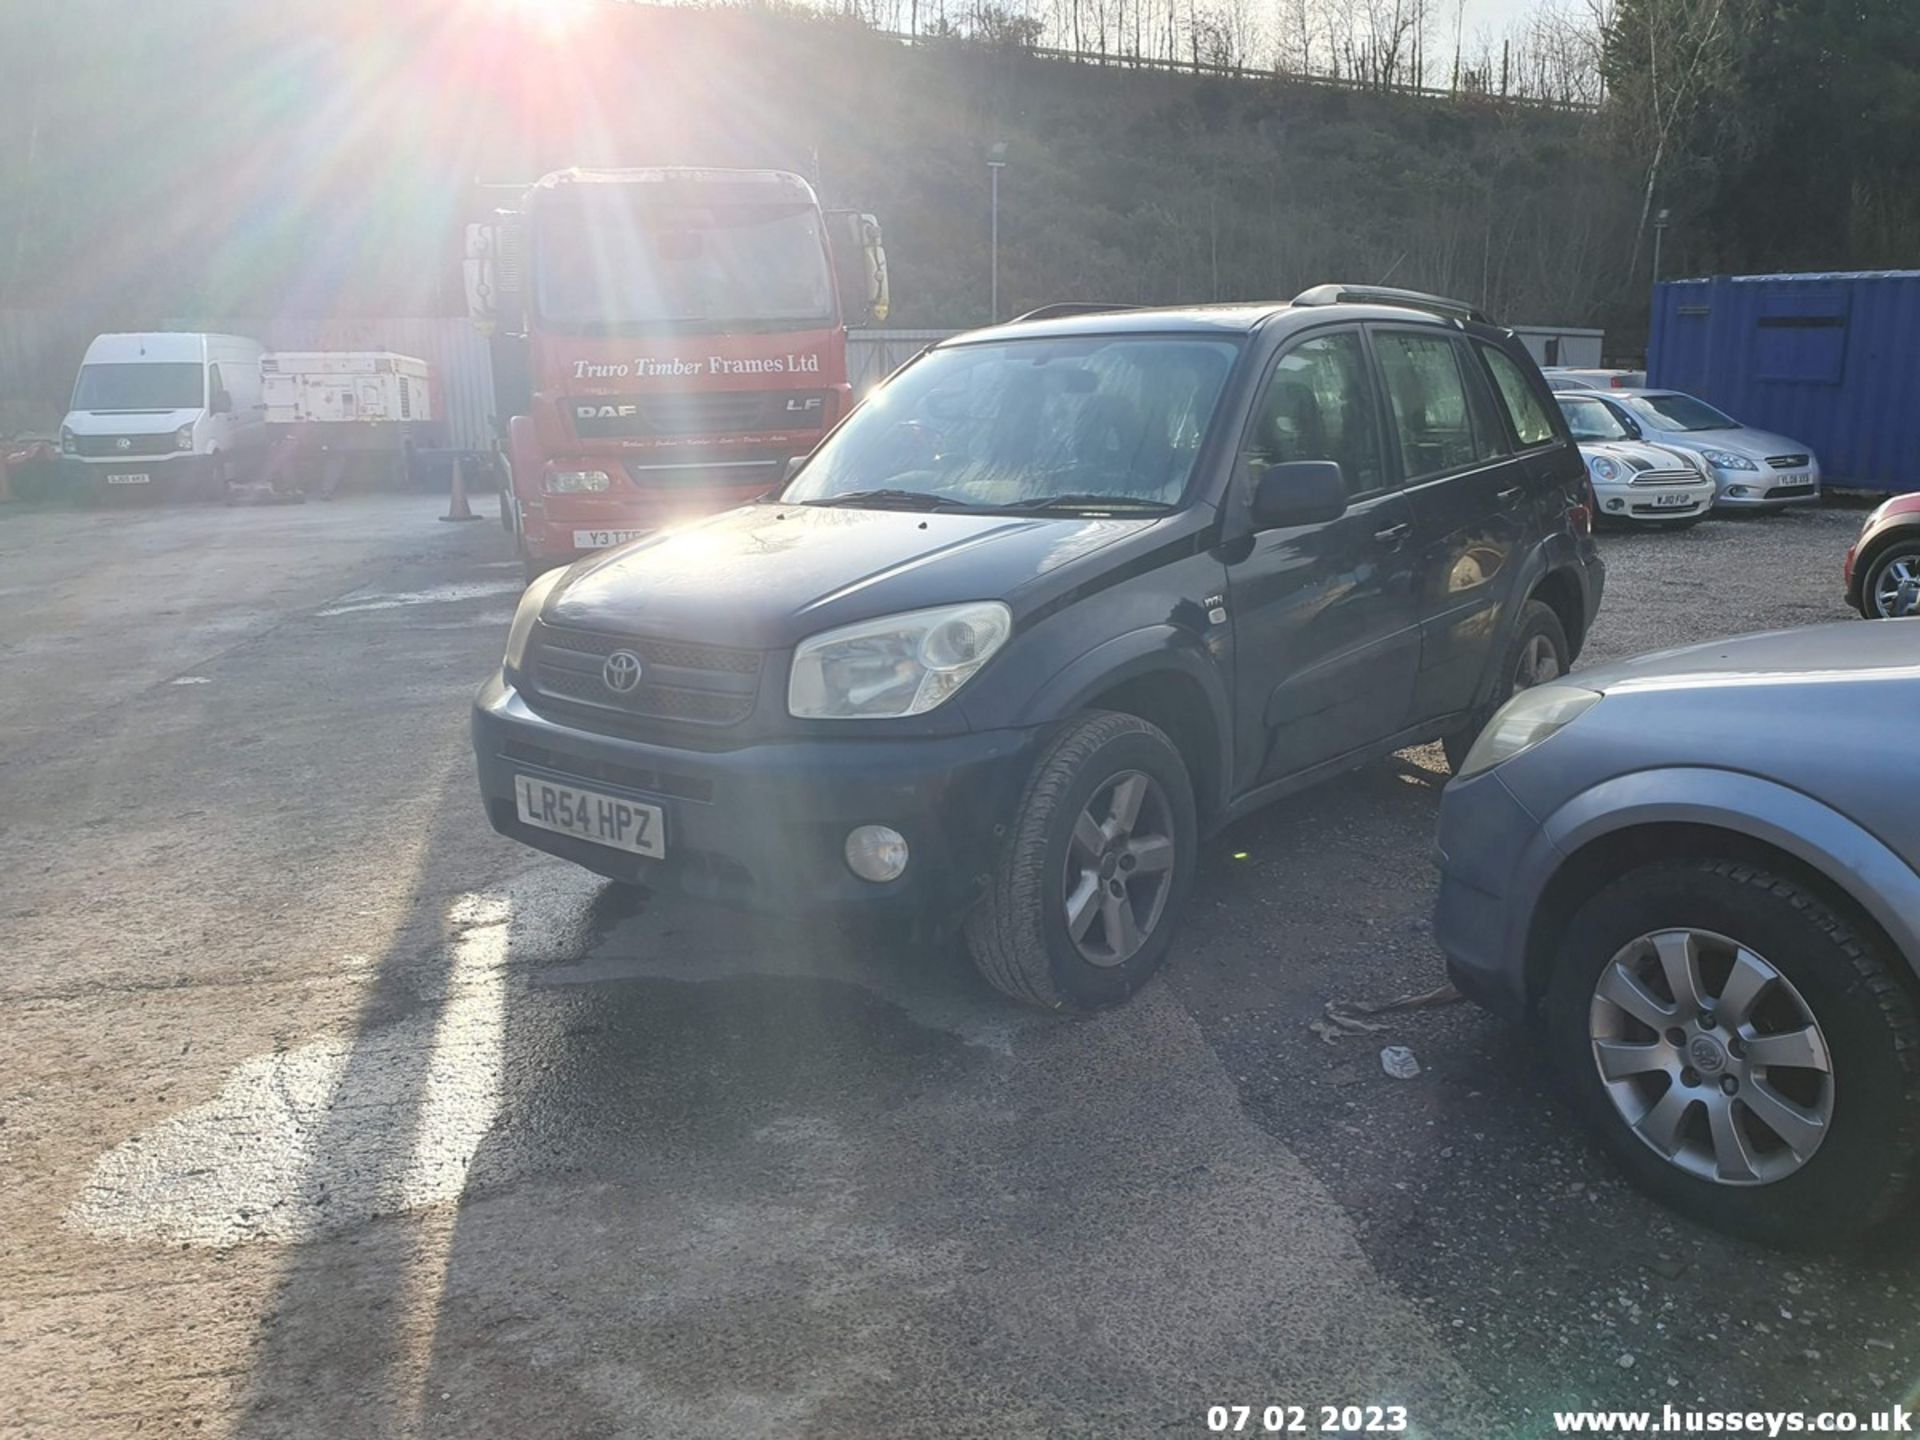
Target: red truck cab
(686, 335)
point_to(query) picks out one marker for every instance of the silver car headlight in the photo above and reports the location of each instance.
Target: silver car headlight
(1727, 460)
(896, 666)
(531, 599)
(1524, 721)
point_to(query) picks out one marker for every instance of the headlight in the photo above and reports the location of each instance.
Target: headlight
(573, 482)
(183, 438)
(900, 665)
(68, 445)
(1604, 470)
(531, 599)
(1724, 460)
(1524, 721)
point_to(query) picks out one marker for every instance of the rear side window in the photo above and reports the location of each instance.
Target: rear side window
(1319, 406)
(1524, 406)
(1429, 398)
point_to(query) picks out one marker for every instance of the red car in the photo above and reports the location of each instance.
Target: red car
(1885, 559)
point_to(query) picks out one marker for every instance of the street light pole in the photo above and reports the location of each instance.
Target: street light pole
(996, 162)
(1659, 231)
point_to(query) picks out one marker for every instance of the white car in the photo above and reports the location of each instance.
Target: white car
(1632, 480)
(1755, 469)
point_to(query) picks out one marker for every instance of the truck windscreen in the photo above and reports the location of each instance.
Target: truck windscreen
(161, 385)
(619, 268)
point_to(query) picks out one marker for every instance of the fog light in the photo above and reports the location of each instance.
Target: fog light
(876, 853)
(1616, 504)
(1736, 490)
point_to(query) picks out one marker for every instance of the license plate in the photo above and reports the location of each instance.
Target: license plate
(1671, 502)
(588, 815)
(138, 478)
(600, 539)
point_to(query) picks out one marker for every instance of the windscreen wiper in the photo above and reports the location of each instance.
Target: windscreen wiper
(895, 500)
(1088, 501)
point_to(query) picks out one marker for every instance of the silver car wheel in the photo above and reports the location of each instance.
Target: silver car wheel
(1903, 569)
(1119, 868)
(1712, 1057)
(1539, 663)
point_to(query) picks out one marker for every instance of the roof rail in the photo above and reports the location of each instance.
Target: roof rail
(1068, 307)
(1387, 295)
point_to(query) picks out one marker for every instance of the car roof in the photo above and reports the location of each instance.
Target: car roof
(1240, 318)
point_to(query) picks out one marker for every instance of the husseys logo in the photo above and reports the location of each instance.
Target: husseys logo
(680, 367)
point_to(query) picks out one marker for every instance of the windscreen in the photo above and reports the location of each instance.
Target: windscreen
(164, 385)
(1674, 411)
(604, 265)
(1592, 420)
(1025, 421)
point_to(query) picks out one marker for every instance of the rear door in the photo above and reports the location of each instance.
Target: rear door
(1326, 637)
(1471, 500)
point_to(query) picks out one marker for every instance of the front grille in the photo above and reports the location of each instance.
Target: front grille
(681, 681)
(107, 447)
(1666, 477)
(1788, 462)
(699, 413)
(628, 777)
(1792, 492)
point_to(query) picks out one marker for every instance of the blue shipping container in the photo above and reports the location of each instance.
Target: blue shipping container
(1829, 360)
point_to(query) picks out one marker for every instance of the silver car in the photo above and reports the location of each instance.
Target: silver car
(1754, 469)
(1714, 925)
(1634, 482)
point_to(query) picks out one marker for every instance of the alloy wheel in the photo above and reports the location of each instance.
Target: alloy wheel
(1711, 1057)
(1539, 663)
(1900, 571)
(1119, 868)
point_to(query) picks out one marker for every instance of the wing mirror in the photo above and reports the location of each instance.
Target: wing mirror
(1298, 492)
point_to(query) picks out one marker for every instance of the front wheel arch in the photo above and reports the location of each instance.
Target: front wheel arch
(1595, 865)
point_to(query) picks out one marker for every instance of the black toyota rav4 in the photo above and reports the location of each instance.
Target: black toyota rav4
(1056, 601)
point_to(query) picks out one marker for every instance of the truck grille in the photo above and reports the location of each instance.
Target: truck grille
(1788, 462)
(691, 683)
(713, 412)
(107, 447)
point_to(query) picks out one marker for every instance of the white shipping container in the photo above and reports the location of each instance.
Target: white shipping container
(339, 387)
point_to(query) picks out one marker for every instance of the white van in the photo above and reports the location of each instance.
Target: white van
(168, 411)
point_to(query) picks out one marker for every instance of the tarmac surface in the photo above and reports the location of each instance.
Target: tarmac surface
(325, 1111)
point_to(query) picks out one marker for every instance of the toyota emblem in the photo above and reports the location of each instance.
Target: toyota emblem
(621, 672)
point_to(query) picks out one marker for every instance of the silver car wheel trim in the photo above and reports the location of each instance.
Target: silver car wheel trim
(1539, 663)
(1711, 1057)
(1903, 569)
(1119, 868)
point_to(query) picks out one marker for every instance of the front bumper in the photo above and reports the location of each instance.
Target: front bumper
(1637, 502)
(1766, 489)
(559, 528)
(181, 472)
(763, 826)
(1481, 927)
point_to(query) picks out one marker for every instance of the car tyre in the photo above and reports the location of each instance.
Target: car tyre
(1019, 932)
(1901, 555)
(1539, 644)
(1837, 976)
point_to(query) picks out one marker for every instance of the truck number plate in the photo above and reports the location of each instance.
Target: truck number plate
(139, 478)
(588, 815)
(600, 539)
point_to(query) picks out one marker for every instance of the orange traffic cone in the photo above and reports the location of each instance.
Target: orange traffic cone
(457, 507)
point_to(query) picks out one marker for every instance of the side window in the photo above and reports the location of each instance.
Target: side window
(1429, 395)
(1319, 405)
(213, 382)
(1524, 405)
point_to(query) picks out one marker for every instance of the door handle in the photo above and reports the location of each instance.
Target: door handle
(1512, 492)
(1393, 534)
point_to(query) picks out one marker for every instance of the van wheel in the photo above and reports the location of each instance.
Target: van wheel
(1092, 875)
(1537, 654)
(1748, 1055)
